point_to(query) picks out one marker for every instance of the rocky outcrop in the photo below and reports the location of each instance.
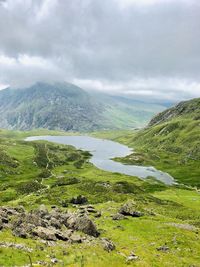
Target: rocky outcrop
(191, 107)
(47, 225)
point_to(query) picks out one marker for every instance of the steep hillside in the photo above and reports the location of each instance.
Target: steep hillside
(58, 106)
(64, 106)
(125, 113)
(171, 142)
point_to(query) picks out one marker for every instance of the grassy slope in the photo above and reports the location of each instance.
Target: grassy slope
(141, 235)
(173, 145)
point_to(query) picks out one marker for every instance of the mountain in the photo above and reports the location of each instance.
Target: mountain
(187, 109)
(59, 106)
(171, 142)
(64, 106)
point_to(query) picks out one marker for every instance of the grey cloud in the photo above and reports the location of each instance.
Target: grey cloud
(102, 42)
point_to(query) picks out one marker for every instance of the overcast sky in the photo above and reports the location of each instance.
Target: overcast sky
(143, 48)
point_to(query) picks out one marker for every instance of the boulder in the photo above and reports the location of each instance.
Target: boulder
(82, 223)
(129, 209)
(75, 238)
(44, 233)
(80, 200)
(107, 244)
(55, 223)
(20, 232)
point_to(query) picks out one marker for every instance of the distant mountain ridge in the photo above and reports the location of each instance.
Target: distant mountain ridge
(64, 106)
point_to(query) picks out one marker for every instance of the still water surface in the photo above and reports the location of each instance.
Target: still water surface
(103, 151)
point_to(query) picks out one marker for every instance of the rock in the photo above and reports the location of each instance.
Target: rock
(20, 209)
(163, 248)
(79, 200)
(1, 224)
(54, 260)
(75, 238)
(97, 215)
(91, 210)
(43, 210)
(108, 245)
(20, 232)
(55, 223)
(82, 223)
(118, 216)
(16, 246)
(129, 209)
(44, 233)
(4, 220)
(132, 257)
(62, 235)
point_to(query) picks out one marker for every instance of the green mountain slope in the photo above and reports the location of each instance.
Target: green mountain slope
(171, 142)
(64, 106)
(126, 113)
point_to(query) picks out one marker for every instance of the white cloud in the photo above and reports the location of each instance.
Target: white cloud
(7, 61)
(135, 47)
(157, 87)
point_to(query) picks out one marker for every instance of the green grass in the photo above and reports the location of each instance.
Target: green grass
(107, 192)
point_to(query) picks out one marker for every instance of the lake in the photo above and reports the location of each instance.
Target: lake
(103, 151)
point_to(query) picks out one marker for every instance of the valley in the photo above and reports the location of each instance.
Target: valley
(59, 206)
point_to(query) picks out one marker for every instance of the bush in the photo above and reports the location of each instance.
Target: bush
(67, 181)
(29, 187)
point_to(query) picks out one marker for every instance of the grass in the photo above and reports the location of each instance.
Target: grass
(107, 191)
(173, 147)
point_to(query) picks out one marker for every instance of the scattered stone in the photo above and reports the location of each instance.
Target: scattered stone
(163, 248)
(4, 220)
(129, 209)
(16, 246)
(97, 215)
(108, 245)
(42, 263)
(54, 260)
(91, 210)
(79, 200)
(118, 216)
(132, 257)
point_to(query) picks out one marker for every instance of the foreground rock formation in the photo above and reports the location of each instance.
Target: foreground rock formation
(48, 225)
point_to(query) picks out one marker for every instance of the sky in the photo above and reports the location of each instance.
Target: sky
(138, 48)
